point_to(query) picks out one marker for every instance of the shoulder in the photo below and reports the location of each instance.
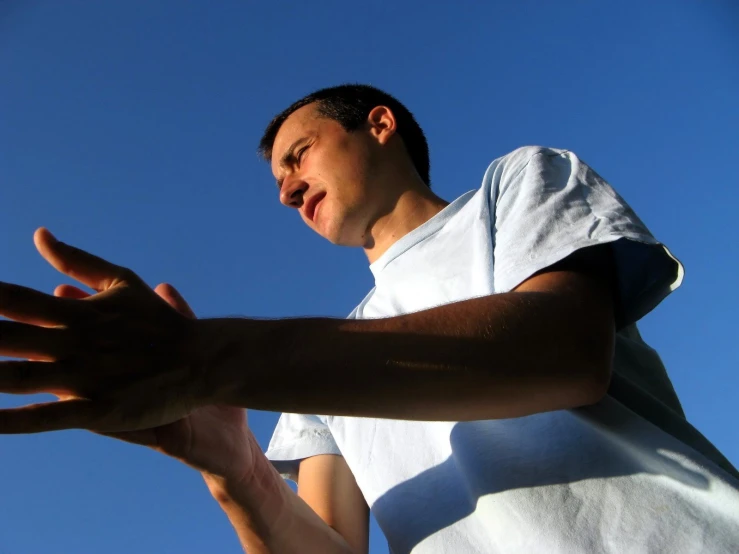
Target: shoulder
(513, 163)
(505, 170)
(520, 157)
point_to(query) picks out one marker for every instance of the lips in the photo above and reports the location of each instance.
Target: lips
(311, 203)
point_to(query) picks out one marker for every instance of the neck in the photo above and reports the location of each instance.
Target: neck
(412, 208)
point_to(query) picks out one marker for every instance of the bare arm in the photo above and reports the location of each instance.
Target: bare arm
(328, 486)
(546, 346)
(269, 518)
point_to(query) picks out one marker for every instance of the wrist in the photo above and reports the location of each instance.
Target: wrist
(260, 499)
(225, 489)
(238, 357)
(223, 347)
(258, 485)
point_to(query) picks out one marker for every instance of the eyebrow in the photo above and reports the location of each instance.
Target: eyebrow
(289, 155)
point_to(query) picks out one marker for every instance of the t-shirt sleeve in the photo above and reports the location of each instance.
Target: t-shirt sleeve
(297, 437)
(547, 204)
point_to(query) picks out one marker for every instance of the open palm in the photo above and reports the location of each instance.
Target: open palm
(211, 439)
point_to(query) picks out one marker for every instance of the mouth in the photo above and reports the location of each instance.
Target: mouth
(311, 204)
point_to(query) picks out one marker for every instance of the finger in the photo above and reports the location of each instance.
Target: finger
(96, 273)
(32, 378)
(37, 308)
(172, 296)
(70, 291)
(49, 416)
(20, 340)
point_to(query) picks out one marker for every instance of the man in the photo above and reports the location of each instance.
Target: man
(490, 394)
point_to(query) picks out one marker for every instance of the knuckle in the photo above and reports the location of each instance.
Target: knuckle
(127, 276)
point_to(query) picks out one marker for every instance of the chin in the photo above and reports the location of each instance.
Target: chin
(341, 231)
(338, 238)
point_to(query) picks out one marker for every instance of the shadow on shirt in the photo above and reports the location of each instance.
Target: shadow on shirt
(455, 486)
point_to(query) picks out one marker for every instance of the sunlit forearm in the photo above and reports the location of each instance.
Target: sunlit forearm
(269, 518)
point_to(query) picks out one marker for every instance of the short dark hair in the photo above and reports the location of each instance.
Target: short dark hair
(350, 105)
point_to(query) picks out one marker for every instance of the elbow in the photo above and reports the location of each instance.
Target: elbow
(596, 367)
(597, 383)
(589, 387)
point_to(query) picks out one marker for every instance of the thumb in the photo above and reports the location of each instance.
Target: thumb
(90, 270)
(172, 297)
(70, 291)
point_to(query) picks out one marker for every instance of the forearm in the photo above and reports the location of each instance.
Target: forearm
(269, 518)
(498, 356)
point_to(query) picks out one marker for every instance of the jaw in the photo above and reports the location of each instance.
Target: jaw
(343, 223)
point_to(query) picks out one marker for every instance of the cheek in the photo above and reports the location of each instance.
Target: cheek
(347, 163)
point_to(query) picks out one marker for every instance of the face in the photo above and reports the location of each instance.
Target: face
(329, 175)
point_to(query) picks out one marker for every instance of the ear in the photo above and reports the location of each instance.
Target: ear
(382, 123)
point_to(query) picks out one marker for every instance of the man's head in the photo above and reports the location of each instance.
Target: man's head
(354, 149)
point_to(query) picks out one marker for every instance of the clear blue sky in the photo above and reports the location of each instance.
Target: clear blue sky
(129, 129)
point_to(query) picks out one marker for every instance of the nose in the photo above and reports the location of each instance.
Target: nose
(293, 189)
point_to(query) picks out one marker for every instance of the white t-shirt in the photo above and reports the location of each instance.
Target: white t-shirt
(628, 474)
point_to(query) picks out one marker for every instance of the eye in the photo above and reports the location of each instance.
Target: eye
(301, 152)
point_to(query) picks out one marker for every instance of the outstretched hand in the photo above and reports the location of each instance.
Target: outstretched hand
(212, 439)
(122, 359)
